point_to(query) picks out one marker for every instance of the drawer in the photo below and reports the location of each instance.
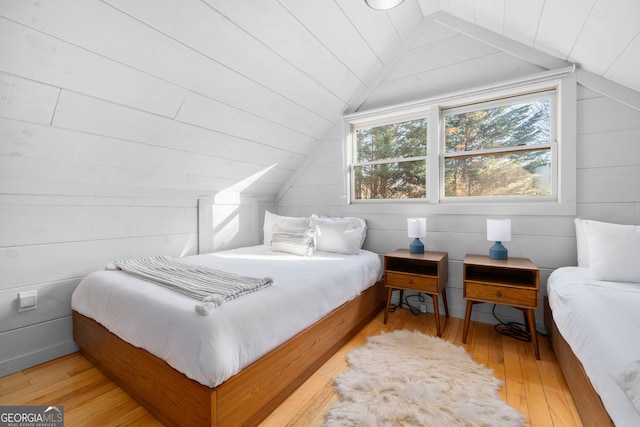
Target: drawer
(411, 281)
(501, 294)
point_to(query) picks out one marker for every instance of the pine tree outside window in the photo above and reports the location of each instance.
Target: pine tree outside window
(500, 148)
(390, 160)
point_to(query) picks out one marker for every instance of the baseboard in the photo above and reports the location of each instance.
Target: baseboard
(32, 345)
(25, 361)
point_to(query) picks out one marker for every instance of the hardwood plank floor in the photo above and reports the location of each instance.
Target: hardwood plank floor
(537, 388)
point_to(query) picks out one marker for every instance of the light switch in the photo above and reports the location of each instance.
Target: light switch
(27, 300)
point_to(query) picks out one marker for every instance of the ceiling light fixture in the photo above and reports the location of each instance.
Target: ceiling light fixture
(382, 4)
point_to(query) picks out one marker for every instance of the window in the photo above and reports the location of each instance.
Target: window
(500, 148)
(389, 160)
(489, 149)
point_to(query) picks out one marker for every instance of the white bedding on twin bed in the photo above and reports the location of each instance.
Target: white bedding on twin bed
(210, 349)
(601, 322)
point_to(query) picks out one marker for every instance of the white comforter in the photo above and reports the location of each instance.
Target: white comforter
(210, 349)
(601, 322)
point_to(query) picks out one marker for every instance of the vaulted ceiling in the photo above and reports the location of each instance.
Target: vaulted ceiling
(601, 36)
(208, 95)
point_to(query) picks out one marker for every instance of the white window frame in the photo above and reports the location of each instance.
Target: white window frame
(545, 93)
(382, 122)
(563, 198)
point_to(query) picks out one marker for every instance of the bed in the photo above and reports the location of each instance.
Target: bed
(591, 315)
(234, 365)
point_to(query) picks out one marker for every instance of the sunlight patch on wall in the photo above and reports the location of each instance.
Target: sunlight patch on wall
(230, 220)
(232, 193)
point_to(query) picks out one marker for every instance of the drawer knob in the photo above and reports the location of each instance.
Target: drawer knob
(498, 294)
(410, 282)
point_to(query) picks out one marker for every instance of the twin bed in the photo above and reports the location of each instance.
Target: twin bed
(592, 318)
(234, 365)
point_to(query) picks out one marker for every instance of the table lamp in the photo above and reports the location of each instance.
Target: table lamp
(498, 230)
(417, 228)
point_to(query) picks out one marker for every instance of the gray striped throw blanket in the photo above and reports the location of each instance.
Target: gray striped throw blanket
(210, 286)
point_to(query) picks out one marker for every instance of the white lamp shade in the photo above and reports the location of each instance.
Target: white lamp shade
(417, 227)
(499, 230)
(382, 4)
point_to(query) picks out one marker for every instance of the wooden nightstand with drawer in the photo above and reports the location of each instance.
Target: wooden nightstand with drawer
(427, 273)
(514, 282)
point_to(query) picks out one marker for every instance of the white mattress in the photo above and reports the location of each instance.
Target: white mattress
(601, 322)
(210, 349)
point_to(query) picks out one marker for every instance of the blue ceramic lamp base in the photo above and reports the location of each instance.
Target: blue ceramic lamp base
(498, 251)
(416, 247)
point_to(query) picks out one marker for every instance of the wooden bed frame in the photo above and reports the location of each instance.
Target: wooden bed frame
(244, 399)
(592, 411)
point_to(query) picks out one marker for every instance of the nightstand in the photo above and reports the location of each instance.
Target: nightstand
(427, 273)
(514, 282)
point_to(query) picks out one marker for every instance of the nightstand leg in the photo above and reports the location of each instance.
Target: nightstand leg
(534, 335)
(444, 300)
(386, 308)
(436, 313)
(467, 317)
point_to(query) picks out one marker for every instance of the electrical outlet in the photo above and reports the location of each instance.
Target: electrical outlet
(423, 308)
(27, 300)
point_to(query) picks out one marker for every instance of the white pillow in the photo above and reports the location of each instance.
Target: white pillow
(271, 219)
(581, 243)
(293, 240)
(341, 235)
(614, 251)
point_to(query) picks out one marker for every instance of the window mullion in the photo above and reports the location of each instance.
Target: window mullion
(504, 150)
(435, 146)
(389, 161)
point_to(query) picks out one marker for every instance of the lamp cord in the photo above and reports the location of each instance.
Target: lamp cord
(415, 310)
(511, 329)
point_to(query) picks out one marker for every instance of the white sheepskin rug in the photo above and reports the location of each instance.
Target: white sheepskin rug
(407, 378)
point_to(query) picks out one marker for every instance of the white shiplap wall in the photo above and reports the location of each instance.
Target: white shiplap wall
(608, 171)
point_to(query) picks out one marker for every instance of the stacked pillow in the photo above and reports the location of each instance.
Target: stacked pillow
(610, 251)
(298, 241)
(343, 235)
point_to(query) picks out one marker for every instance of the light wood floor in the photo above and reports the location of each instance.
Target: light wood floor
(534, 387)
